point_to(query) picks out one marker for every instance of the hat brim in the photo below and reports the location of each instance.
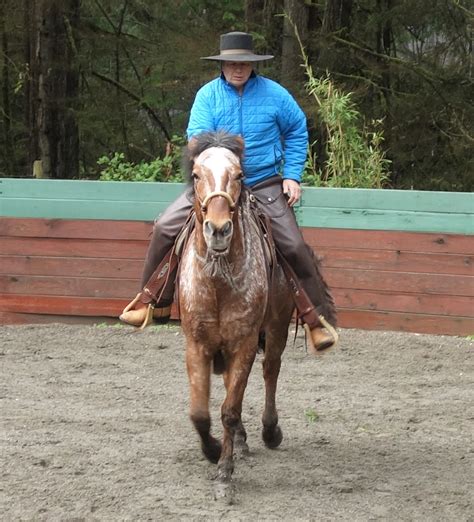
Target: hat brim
(239, 57)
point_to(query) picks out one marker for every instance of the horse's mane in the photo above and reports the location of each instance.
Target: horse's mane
(206, 140)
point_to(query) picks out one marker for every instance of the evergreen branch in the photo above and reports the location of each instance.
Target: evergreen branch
(106, 16)
(385, 57)
(122, 18)
(420, 71)
(466, 11)
(136, 98)
(97, 29)
(364, 79)
(118, 32)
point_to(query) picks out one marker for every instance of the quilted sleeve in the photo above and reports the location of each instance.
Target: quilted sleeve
(293, 127)
(201, 118)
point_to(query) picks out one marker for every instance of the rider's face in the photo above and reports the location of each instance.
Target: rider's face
(237, 73)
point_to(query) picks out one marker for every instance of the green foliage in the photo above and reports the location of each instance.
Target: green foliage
(109, 325)
(311, 415)
(167, 168)
(408, 65)
(354, 154)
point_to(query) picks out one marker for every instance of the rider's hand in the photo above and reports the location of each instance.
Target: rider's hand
(293, 190)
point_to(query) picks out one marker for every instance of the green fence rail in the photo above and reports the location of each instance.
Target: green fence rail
(363, 209)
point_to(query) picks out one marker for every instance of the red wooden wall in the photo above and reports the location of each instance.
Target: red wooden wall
(79, 270)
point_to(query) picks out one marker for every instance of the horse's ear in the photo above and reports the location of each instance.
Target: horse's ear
(240, 146)
(188, 158)
(192, 144)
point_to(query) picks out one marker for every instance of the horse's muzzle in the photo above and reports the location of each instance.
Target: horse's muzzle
(218, 237)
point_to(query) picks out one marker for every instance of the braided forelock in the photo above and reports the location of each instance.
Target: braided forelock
(205, 141)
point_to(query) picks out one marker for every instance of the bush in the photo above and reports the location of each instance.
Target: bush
(168, 168)
(354, 156)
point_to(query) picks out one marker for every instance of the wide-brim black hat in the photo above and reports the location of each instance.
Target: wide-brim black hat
(237, 47)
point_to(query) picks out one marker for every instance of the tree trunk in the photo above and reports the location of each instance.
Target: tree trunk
(9, 151)
(54, 86)
(31, 105)
(261, 19)
(273, 25)
(384, 46)
(292, 73)
(336, 20)
(253, 10)
(337, 15)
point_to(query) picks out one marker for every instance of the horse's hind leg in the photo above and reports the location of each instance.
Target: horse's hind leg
(199, 373)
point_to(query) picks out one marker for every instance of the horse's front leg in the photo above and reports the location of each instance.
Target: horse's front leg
(241, 448)
(236, 378)
(199, 374)
(274, 346)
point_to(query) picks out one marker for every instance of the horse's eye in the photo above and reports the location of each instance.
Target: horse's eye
(194, 175)
(239, 176)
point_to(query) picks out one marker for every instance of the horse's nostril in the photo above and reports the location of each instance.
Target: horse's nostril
(227, 228)
(209, 228)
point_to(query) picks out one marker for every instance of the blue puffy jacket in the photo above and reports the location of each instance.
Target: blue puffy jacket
(265, 115)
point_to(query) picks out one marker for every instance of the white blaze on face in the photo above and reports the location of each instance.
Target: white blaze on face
(218, 160)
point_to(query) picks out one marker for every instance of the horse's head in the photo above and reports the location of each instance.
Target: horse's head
(217, 176)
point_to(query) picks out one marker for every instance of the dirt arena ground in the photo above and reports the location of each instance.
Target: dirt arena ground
(95, 427)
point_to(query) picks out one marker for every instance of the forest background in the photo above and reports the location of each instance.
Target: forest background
(97, 85)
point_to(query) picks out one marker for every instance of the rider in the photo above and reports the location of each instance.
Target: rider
(274, 129)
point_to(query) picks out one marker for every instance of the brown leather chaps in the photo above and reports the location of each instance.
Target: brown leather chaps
(286, 235)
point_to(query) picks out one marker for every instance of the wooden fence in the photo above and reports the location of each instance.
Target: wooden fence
(395, 260)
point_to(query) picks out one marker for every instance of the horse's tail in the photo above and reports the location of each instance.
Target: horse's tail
(328, 306)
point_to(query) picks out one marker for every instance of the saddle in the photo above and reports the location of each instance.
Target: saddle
(167, 270)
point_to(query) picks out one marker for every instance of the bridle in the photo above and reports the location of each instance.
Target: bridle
(216, 194)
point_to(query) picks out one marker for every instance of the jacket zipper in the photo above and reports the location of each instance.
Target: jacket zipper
(239, 106)
(240, 115)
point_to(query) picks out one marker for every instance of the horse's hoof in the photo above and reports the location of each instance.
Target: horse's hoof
(224, 491)
(223, 488)
(212, 450)
(272, 437)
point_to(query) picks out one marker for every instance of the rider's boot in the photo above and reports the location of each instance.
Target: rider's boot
(138, 314)
(153, 303)
(321, 337)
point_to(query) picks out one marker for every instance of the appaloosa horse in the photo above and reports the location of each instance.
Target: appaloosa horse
(225, 300)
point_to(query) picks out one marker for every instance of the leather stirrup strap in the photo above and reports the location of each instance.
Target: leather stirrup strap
(153, 289)
(191, 223)
(159, 278)
(306, 310)
(265, 225)
(266, 235)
